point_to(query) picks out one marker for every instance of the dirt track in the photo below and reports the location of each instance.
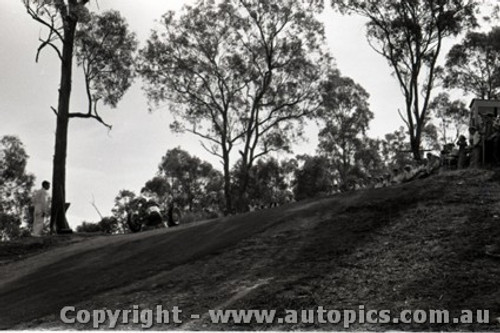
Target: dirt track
(43, 284)
(414, 246)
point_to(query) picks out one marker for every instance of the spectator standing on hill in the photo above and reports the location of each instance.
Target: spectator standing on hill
(433, 163)
(462, 152)
(41, 203)
(408, 173)
(475, 141)
(396, 176)
(495, 137)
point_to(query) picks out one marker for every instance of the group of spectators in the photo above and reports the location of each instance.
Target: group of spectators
(459, 155)
(483, 147)
(429, 165)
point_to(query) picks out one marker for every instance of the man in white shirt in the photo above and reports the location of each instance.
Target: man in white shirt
(475, 138)
(41, 203)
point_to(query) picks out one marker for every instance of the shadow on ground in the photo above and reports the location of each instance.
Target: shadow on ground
(414, 246)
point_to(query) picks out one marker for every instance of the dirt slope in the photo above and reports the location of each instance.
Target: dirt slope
(414, 246)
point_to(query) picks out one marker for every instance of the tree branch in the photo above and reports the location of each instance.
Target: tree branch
(42, 46)
(212, 150)
(403, 118)
(201, 135)
(264, 152)
(95, 207)
(49, 40)
(87, 115)
(34, 15)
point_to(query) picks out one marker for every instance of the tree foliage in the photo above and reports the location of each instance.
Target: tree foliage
(108, 225)
(238, 72)
(342, 139)
(158, 186)
(395, 150)
(105, 49)
(270, 181)
(369, 161)
(194, 183)
(474, 65)
(409, 35)
(121, 208)
(15, 187)
(312, 177)
(452, 117)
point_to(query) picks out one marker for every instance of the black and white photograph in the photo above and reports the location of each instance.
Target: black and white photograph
(250, 165)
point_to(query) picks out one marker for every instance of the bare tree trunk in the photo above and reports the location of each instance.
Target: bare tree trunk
(227, 182)
(58, 221)
(245, 177)
(415, 145)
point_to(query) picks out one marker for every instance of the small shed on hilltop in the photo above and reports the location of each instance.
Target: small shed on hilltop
(482, 116)
(481, 110)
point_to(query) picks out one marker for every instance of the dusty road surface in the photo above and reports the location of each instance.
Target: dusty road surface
(414, 246)
(43, 284)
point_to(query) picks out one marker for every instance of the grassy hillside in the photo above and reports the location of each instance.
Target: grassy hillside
(413, 246)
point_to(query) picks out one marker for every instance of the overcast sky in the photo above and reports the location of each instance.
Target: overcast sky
(102, 162)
